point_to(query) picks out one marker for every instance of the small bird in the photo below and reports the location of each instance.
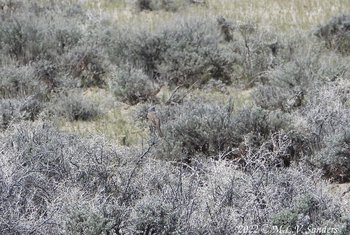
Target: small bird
(296, 100)
(154, 121)
(225, 28)
(230, 106)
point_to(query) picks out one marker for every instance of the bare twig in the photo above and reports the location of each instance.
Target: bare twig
(132, 174)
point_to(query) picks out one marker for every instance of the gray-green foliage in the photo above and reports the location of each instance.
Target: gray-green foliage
(20, 82)
(299, 73)
(199, 129)
(132, 85)
(193, 54)
(308, 68)
(182, 54)
(336, 33)
(86, 64)
(313, 85)
(15, 110)
(32, 33)
(73, 106)
(256, 49)
(194, 128)
(195, 50)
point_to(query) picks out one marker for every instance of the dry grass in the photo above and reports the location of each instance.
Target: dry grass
(280, 14)
(117, 123)
(241, 98)
(117, 126)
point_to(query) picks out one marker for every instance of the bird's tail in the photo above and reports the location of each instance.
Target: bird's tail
(160, 133)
